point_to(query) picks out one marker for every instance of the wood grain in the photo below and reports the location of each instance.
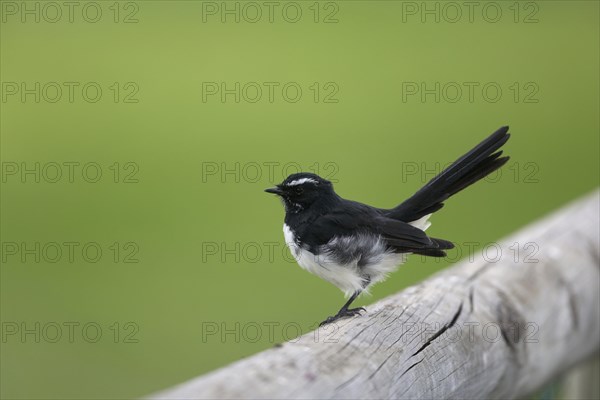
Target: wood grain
(495, 329)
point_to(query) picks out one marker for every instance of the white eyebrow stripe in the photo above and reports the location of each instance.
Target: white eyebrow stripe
(301, 181)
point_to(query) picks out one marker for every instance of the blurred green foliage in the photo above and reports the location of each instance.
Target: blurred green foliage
(363, 128)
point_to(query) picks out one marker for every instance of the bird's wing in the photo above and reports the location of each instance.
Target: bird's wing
(403, 237)
(361, 219)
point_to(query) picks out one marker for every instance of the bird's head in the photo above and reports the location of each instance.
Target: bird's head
(299, 191)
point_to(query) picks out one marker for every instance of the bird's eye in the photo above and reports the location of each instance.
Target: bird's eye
(298, 190)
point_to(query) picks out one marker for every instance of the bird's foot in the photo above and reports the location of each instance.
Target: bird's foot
(342, 314)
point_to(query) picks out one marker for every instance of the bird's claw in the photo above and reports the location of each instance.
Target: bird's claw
(342, 314)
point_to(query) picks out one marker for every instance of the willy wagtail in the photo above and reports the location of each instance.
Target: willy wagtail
(353, 245)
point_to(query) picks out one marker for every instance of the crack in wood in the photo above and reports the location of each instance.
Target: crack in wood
(345, 383)
(471, 293)
(380, 366)
(437, 304)
(357, 335)
(453, 371)
(400, 337)
(509, 317)
(411, 367)
(571, 296)
(441, 331)
(388, 325)
(412, 383)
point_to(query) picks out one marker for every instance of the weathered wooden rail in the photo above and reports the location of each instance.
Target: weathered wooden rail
(477, 330)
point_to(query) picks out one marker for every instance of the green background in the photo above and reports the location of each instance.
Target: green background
(368, 137)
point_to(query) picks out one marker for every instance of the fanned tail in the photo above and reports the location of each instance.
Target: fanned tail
(471, 167)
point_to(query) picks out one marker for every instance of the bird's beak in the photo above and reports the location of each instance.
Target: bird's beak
(274, 190)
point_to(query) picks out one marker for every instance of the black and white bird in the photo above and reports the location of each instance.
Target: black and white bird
(353, 245)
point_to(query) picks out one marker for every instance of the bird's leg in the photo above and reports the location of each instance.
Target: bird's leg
(345, 311)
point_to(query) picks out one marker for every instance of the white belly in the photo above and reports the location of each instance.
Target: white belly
(348, 277)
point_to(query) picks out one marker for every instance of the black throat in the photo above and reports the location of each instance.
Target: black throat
(303, 214)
